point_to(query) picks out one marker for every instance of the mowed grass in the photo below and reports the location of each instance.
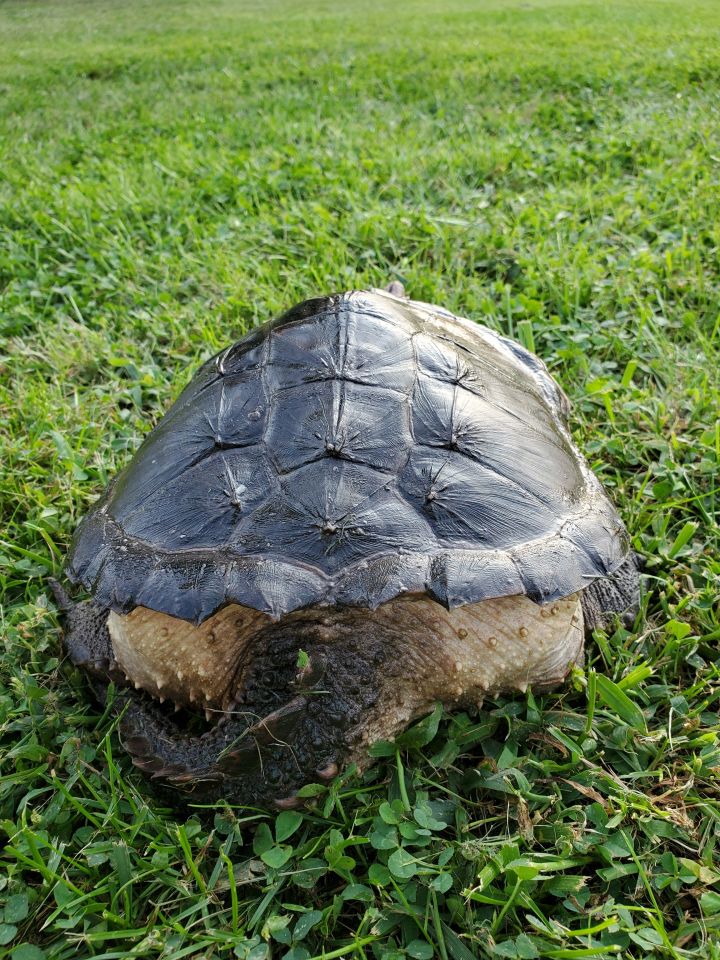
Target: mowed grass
(172, 174)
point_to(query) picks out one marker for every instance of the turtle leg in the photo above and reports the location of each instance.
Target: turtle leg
(303, 696)
(303, 708)
(615, 596)
(257, 752)
(86, 638)
(246, 759)
(396, 288)
(158, 748)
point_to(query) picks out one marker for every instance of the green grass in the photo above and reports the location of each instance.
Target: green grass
(173, 173)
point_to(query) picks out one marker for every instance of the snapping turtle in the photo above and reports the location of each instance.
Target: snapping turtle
(361, 508)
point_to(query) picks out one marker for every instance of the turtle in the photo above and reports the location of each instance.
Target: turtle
(363, 508)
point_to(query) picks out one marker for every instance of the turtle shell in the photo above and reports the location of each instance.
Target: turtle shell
(357, 448)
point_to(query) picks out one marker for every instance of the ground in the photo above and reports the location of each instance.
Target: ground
(174, 173)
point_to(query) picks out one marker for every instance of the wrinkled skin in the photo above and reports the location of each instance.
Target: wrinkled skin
(306, 701)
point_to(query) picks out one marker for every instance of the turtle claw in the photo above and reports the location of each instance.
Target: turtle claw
(169, 771)
(240, 759)
(329, 771)
(152, 765)
(139, 747)
(158, 769)
(278, 726)
(288, 803)
(182, 779)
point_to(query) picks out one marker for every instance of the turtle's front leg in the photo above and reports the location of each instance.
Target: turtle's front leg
(272, 740)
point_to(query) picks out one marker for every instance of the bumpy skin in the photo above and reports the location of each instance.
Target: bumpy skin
(359, 448)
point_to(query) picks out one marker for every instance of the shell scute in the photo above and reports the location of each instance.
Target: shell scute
(342, 344)
(339, 419)
(472, 504)
(202, 506)
(446, 415)
(333, 514)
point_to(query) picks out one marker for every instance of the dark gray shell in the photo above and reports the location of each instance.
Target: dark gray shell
(359, 447)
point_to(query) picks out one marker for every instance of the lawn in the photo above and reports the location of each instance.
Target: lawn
(173, 173)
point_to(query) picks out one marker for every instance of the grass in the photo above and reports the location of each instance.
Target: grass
(174, 173)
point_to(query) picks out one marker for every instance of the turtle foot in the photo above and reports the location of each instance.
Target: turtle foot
(246, 759)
